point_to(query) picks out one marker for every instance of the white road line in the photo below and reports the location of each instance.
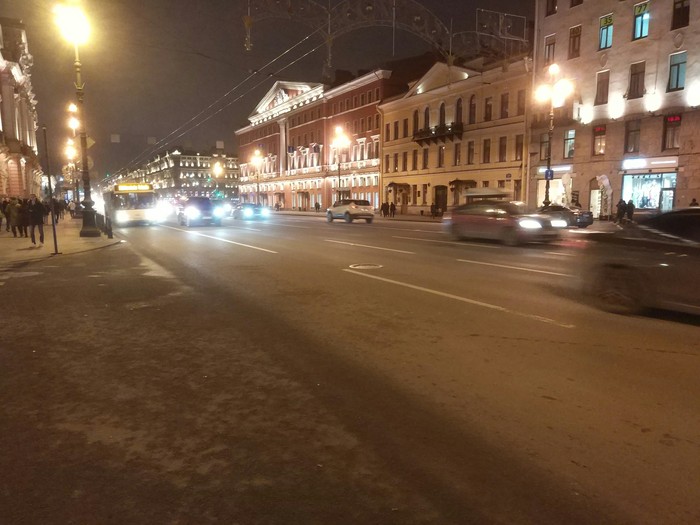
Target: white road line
(560, 254)
(458, 243)
(441, 232)
(462, 299)
(220, 239)
(516, 268)
(367, 246)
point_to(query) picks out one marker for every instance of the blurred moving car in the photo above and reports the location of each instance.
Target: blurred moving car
(507, 222)
(351, 209)
(573, 215)
(200, 210)
(226, 205)
(653, 264)
(249, 210)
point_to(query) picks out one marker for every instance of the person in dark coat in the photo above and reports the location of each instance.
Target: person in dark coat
(36, 211)
(23, 218)
(392, 209)
(629, 209)
(385, 209)
(621, 210)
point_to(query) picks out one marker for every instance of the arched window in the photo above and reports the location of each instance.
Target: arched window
(415, 122)
(442, 114)
(426, 118)
(458, 111)
(472, 109)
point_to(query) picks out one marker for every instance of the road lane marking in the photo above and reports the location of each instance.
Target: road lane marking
(515, 268)
(367, 246)
(560, 254)
(463, 299)
(441, 232)
(458, 243)
(220, 239)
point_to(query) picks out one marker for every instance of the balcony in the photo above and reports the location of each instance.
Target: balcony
(439, 134)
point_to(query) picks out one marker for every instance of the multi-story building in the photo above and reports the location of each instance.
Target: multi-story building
(300, 163)
(187, 173)
(630, 128)
(20, 171)
(458, 132)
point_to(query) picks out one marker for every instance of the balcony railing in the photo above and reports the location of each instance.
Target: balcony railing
(441, 133)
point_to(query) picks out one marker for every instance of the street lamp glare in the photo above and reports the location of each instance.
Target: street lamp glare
(72, 108)
(73, 123)
(543, 93)
(554, 69)
(73, 23)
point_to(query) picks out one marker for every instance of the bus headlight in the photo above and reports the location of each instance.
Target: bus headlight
(121, 216)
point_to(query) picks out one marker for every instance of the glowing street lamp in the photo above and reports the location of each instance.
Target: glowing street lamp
(340, 140)
(256, 161)
(555, 92)
(75, 28)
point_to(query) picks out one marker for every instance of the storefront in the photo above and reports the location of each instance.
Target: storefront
(559, 187)
(650, 183)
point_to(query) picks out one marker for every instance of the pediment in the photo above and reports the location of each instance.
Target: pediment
(281, 93)
(439, 76)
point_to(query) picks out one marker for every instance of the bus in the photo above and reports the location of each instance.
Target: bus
(133, 203)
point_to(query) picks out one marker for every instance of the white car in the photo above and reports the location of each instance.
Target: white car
(351, 209)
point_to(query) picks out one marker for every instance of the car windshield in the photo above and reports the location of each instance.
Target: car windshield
(199, 201)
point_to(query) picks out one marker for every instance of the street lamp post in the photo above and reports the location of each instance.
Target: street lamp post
(256, 161)
(71, 153)
(555, 92)
(340, 140)
(75, 28)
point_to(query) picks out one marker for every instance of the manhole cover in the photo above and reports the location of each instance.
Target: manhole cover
(365, 266)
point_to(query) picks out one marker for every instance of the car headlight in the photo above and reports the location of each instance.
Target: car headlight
(121, 216)
(192, 212)
(219, 212)
(228, 208)
(559, 223)
(529, 224)
(265, 212)
(248, 213)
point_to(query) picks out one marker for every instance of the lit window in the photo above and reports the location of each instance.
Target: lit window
(632, 132)
(605, 37)
(676, 71)
(599, 133)
(569, 140)
(641, 21)
(672, 132)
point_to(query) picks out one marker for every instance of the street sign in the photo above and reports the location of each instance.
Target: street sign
(548, 174)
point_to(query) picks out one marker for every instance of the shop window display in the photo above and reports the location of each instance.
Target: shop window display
(647, 191)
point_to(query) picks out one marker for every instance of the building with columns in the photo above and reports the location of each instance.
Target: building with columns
(20, 171)
(630, 128)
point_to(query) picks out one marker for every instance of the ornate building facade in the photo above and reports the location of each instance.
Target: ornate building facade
(20, 171)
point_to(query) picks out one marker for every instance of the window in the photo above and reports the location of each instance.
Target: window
(549, 43)
(414, 160)
(488, 109)
(396, 162)
(396, 130)
(425, 158)
(569, 142)
(486, 157)
(575, 42)
(599, 140)
(519, 141)
(470, 152)
(458, 111)
(441, 157)
(504, 105)
(376, 122)
(551, 8)
(632, 131)
(521, 102)
(605, 37)
(442, 115)
(602, 87)
(362, 99)
(681, 14)
(472, 109)
(405, 127)
(404, 163)
(676, 71)
(458, 154)
(502, 148)
(426, 118)
(415, 122)
(672, 132)
(641, 21)
(386, 163)
(387, 129)
(574, 3)
(544, 146)
(636, 88)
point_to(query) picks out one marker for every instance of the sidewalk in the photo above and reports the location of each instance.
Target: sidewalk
(17, 250)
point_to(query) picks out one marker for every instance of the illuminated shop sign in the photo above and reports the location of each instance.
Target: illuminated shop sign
(134, 187)
(654, 163)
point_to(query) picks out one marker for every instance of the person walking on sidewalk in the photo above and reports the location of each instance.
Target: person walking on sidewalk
(629, 209)
(23, 218)
(392, 209)
(37, 211)
(621, 210)
(71, 209)
(3, 207)
(12, 212)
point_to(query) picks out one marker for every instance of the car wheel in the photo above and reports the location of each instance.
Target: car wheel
(510, 237)
(369, 221)
(329, 217)
(347, 217)
(618, 290)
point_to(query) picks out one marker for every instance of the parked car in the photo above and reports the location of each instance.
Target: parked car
(249, 210)
(200, 210)
(351, 209)
(503, 221)
(573, 215)
(652, 264)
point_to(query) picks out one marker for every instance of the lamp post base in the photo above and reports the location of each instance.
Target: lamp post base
(89, 228)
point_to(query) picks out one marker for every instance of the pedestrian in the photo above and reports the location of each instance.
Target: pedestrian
(317, 206)
(694, 202)
(385, 209)
(392, 209)
(621, 210)
(13, 216)
(71, 209)
(36, 211)
(629, 209)
(3, 208)
(23, 218)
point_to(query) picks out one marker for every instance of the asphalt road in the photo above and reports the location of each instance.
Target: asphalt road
(295, 371)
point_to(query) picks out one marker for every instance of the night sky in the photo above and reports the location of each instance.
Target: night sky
(152, 65)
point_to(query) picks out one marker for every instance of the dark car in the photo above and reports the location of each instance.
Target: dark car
(249, 210)
(573, 215)
(652, 264)
(200, 210)
(503, 221)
